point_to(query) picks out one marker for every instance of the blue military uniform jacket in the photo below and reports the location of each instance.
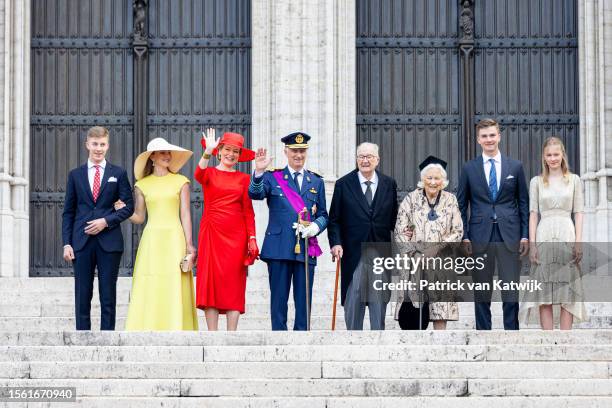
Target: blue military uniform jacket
(279, 242)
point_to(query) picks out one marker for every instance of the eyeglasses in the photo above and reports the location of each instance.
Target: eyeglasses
(367, 157)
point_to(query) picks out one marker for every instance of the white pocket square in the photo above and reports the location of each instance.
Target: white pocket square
(112, 179)
(510, 177)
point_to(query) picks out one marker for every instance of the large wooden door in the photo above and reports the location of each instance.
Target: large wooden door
(526, 74)
(428, 70)
(82, 76)
(199, 76)
(408, 99)
(140, 68)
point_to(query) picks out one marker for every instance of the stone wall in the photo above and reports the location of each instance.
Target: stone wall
(595, 93)
(303, 78)
(14, 136)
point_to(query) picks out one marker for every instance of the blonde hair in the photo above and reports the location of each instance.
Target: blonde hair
(554, 141)
(432, 166)
(97, 132)
(485, 123)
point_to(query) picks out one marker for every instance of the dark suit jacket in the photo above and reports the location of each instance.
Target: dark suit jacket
(352, 222)
(79, 207)
(511, 205)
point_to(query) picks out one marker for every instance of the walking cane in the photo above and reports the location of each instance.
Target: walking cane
(336, 293)
(306, 268)
(420, 300)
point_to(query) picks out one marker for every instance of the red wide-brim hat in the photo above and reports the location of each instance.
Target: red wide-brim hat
(233, 139)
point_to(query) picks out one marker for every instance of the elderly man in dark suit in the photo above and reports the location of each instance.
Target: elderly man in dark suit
(363, 209)
(494, 203)
(91, 228)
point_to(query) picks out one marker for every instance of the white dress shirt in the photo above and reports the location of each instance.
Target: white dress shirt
(300, 177)
(487, 167)
(91, 172)
(364, 186)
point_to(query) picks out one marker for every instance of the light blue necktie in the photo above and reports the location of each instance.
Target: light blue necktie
(493, 180)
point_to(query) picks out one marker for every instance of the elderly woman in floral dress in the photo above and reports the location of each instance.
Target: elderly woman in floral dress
(427, 222)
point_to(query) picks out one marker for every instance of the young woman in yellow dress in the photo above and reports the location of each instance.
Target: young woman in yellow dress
(162, 296)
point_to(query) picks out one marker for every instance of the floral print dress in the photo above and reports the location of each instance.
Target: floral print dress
(447, 228)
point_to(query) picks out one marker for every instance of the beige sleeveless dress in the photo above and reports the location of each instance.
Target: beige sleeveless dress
(555, 237)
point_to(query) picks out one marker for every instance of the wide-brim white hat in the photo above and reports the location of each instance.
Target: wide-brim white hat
(180, 156)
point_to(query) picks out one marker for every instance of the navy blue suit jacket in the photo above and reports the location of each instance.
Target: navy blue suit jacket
(279, 243)
(79, 207)
(511, 204)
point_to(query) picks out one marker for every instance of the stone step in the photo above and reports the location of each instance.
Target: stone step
(158, 370)
(66, 285)
(303, 370)
(353, 402)
(262, 322)
(260, 310)
(312, 353)
(540, 387)
(326, 387)
(407, 353)
(602, 339)
(61, 283)
(252, 309)
(60, 291)
(123, 296)
(252, 387)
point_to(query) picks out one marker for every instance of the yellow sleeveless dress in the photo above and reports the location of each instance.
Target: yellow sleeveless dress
(162, 297)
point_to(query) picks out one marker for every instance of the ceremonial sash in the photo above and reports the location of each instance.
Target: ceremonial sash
(298, 205)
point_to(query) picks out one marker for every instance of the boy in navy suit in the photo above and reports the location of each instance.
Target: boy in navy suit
(494, 189)
(288, 191)
(91, 228)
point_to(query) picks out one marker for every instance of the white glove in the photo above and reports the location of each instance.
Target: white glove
(310, 231)
(298, 228)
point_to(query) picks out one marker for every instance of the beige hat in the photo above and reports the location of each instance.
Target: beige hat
(180, 156)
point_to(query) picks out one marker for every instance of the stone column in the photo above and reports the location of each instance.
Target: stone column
(14, 136)
(595, 60)
(303, 78)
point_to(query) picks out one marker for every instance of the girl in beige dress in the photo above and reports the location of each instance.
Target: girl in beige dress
(430, 215)
(555, 250)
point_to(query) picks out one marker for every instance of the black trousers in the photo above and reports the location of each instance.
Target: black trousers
(508, 267)
(86, 260)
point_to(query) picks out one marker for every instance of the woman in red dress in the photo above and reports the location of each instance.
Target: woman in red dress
(226, 243)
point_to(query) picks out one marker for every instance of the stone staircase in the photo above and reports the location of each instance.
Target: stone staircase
(316, 369)
(47, 304)
(255, 367)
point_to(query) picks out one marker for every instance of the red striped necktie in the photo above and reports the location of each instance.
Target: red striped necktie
(96, 183)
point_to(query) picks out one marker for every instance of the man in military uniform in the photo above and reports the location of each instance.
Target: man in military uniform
(288, 191)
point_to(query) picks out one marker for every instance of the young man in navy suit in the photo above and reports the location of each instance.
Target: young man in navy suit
(91, 228)
(494, 189)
